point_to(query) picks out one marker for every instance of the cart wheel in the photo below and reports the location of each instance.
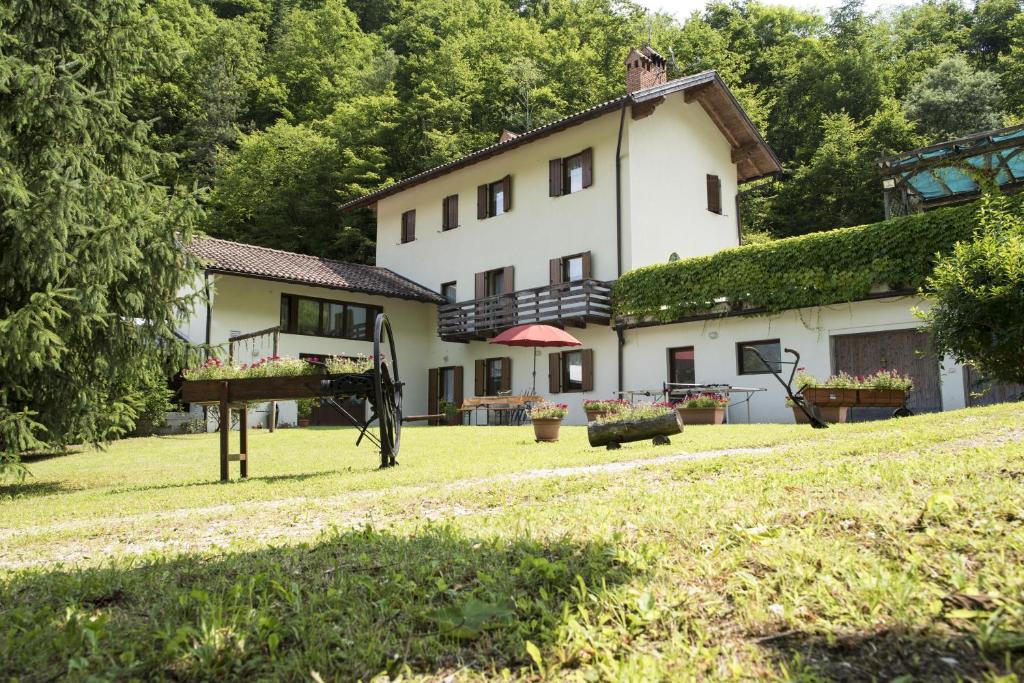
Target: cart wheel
(613, 446)
(661, 440)
(902, 411)
(387, 391)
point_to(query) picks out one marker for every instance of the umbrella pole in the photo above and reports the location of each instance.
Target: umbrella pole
(533, 390)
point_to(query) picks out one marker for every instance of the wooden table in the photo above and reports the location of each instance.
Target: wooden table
(488, 403)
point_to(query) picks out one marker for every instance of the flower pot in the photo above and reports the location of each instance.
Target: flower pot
(546, 429)
(594, 414)
(881, 398)
(702, 416)
(824, 396)
(831, 414)
(303, 421)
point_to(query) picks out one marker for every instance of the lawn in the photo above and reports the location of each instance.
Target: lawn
(739, 552)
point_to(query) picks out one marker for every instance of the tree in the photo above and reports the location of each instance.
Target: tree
(91, 257)
(977, 315)
(953, 99)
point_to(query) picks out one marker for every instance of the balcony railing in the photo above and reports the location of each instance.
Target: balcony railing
(569, 303)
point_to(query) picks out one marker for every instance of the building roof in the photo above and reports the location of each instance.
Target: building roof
(752, 155)
(249, 260)
(942, 173)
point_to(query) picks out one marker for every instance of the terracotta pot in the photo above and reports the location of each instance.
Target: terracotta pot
(881, 398)
(831, 414)
(546, 429)
(702, 416)
(823, 396)
(303, 422)
(594, 414)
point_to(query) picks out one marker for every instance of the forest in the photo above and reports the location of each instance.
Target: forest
(284, 109)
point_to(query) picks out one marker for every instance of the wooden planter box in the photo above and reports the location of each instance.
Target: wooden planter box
(831, 414)
(702, 416)
(254, 389)
(594, 414)
(830, 397)
(881, 398)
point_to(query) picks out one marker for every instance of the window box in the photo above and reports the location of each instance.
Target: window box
(701, 416)
(831, 414)
(825, 396)
(881, 398)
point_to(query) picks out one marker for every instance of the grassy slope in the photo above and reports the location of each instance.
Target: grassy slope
(863, 551)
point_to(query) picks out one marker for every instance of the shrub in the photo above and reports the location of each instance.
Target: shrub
(641, 411)
(706, 400)
(277, 366)
(608, 405)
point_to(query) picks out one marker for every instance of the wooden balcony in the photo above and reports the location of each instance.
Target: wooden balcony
(572, 304)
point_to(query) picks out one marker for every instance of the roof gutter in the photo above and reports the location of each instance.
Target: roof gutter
(618, 229)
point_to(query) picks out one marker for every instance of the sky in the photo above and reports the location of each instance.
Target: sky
(682, 8)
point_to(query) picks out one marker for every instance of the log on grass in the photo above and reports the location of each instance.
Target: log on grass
(602, 434)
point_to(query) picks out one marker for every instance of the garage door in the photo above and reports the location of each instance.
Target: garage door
(907, 351)
(981, 392)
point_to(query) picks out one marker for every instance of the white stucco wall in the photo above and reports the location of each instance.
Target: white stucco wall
(806, 330)
(536, 229)
(670, 154)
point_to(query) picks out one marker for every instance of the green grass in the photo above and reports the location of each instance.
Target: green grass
(862, 552)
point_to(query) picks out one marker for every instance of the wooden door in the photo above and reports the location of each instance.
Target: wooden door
(981, 392)
(906, 351)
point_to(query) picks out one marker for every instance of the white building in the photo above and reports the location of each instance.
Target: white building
(533, 229)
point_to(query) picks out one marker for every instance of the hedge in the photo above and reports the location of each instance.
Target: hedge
(818, 269)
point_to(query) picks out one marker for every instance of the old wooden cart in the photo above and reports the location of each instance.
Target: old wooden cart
(380, 386)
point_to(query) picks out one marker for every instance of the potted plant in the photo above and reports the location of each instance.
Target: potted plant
(839, 390)
(884, 389)
(596, 408)
(828, 413)
(305, 409)
(704, 409)
(451, 412)
(547, 419)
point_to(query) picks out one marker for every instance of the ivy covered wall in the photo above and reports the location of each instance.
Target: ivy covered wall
(811, 270)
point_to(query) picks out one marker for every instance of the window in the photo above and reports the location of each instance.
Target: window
(495, 282)
(714, 194)
(680, 365)
(325, 318)
(571, 268)
(448, 292)
(571, 371)
(571, 174)
(409, 226)
(750, 364)
(450, 212)
(495, 379)
(446, 378)
(494, 199)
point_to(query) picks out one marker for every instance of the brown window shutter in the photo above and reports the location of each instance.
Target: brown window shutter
(509, 276)
(480, 378)
(452, 211)
(433, 392)
(714, 194)
(481, 202)
(458, 379)
(588, 166)
(555, 270)
(444, 214)
(555, 178)
(409, 225)
(587, 265)
(506, 374)
(506, 190)
(554, 373)
(480, 286)
(588, 369)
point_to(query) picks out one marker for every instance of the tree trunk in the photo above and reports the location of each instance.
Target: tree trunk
(634, 430)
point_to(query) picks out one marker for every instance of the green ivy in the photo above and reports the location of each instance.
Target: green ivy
(811, 270)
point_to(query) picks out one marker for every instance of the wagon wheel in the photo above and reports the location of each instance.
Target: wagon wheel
(387, 391)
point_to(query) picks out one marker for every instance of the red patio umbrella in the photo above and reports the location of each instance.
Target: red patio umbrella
(535, 335)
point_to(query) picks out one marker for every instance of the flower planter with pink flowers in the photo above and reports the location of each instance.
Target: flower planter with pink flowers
(598, 409)
(881, 389)
(705, 409)
(547, 420)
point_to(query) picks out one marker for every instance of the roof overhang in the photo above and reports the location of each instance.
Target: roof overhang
(751, 154)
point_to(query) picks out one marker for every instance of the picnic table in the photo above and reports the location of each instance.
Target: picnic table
(508, 409)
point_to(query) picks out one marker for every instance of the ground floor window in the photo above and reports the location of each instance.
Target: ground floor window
(680, 365)
(446, 382)
(494, 376)
(748, 362)
(570, 371)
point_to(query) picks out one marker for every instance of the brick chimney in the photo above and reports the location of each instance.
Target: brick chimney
(645, 68)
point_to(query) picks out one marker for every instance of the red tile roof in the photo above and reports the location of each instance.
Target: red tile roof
(249, 260)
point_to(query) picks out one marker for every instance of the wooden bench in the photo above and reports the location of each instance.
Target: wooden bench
(422, 418)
